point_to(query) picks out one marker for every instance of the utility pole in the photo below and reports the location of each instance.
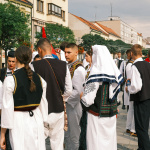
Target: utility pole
(111, 8)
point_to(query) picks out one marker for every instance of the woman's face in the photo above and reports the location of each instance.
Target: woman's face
(88, 58)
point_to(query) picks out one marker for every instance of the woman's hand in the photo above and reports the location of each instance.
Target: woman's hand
(3, 143)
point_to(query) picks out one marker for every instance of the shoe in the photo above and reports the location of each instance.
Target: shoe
(123, 107)
(127, 131)
(133, 134)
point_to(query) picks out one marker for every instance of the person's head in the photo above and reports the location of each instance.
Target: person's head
(128, 53)
(44, 47)
(71, 52)
(11, 61)
(119, 54)
(88, 56)
(37, 57)
(148, 55)
(63, 45)
(58, 50)
(23, 56)
(136, 51)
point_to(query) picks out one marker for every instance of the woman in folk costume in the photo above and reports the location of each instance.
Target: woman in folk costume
(24, 106)
(88, 57)
(99, 100)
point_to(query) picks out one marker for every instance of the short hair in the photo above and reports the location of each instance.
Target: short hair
(72, 45)
(11, 54)
(136, 49)
(128, 51)
(63, 45)
(41, 43)
(90, 53)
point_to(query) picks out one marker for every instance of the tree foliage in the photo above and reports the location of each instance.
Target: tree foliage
(113, 46)
(57, 34)
(14, 27)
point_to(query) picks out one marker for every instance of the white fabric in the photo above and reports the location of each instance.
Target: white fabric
(34, 54)
(136, 80)
(1, 94)
(128, 75)
(25, 132)
(101, 133)
(62, 55)
(85, 63)
(104, 69)
(54, 128)
(130, 124)
(123, 67)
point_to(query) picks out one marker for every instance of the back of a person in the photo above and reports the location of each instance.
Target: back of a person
(58, 71)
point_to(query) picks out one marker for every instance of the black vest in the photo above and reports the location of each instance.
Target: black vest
(24, 100)
(102, 106)
(144, 70)
(53, 95)
(3, 74)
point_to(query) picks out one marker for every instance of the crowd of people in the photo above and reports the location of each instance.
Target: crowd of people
(72, 105)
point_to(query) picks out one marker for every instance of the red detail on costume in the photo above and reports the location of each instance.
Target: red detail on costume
(147, 59)
(43, 33)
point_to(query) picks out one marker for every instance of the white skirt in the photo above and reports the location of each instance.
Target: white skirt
(101, 133)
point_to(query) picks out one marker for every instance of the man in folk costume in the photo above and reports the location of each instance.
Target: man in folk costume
(74, 109)
(59, 86)
(130, 125)
(139, 93)
(118, 60)
(4, 72)
(100, 101)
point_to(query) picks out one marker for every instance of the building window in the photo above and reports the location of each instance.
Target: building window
(40, 5)
(54, 10)
(63, 15)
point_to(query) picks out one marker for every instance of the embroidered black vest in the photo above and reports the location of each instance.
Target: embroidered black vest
(102, 106)
(24, 100)
(74, 66)
(144, 70)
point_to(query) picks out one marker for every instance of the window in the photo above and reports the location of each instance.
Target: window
(40, 5)
(54, 10)
(63, 15)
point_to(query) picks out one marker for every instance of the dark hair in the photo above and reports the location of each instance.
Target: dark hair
(11, 54)
(128, 51)
(90, 53)
(24, 55)
(42, 42)
(71, 45)
(63, 45)
(37, 56)
(137, 49)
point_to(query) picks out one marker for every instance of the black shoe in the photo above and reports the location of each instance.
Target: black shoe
(123, 107)
(127, 131)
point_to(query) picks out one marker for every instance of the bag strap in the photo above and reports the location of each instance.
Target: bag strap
(65, 113)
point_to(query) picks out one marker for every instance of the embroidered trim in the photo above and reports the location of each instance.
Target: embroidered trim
(15, 84)
(23, 106)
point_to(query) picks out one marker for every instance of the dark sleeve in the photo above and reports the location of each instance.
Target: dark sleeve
(85, 108)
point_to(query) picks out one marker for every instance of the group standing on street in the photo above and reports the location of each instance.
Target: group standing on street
(73, 107)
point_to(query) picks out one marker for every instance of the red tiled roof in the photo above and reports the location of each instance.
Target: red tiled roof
(91, 25)
(108, 30)
(139, 34)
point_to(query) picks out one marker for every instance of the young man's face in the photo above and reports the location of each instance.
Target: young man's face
(11, 61)
(71, 54)
(129, 55)
(119, 55)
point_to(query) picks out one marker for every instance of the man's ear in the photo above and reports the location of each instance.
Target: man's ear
(76, 53)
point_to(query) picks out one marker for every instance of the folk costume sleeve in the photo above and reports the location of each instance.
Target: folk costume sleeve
(77, 83)
(68, 86)
(136, 81)
(8, 103)
(1, 94)
(44, 104)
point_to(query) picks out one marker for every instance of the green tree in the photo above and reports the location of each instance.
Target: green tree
(90, 40)
(57, 34)
(14, 27)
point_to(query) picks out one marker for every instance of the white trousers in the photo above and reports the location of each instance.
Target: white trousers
(101, 133)
(130, 124)
(54, 128)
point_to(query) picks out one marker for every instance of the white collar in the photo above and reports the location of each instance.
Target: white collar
(48, 56)
(139, 59)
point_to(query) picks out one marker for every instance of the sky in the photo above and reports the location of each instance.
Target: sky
(136, 13)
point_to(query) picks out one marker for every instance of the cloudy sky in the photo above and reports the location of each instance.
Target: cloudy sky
(134, 12)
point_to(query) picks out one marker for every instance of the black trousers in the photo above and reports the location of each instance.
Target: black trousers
(142, 116)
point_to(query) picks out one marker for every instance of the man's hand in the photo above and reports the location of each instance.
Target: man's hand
(81, 95)
(126, 88)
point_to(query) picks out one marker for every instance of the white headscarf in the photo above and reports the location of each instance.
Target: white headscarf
(104, 69)
(33, 55)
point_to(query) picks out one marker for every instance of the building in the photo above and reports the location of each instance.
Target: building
(81, 27)
(48, 11)
(127, 33)
(140, 39)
